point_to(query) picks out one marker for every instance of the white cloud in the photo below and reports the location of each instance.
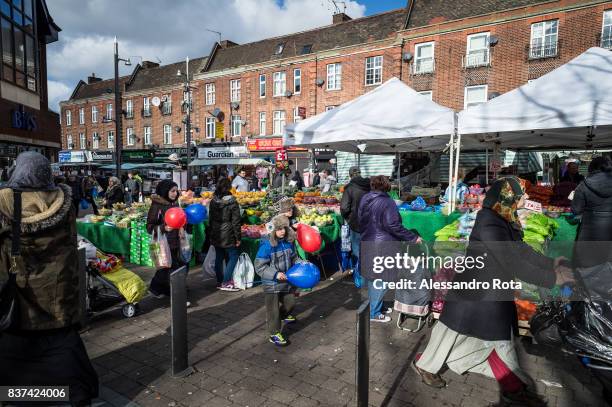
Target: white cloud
(58, 91)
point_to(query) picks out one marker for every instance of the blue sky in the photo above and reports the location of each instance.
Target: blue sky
(157, 31)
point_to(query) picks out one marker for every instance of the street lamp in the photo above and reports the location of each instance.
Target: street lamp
(118, 109)
(187, 104)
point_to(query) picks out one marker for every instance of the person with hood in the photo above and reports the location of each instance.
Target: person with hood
(38, 247)
(165, 197)
(225, 233)
(592, 200)
(114, 193)
(349, 207)
(476, 328)
(275, 257)
(380, 221)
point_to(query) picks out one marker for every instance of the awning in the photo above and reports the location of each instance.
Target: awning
(230, 161)
(133, 166)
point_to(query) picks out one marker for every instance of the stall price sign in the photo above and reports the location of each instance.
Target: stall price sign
(533, 206)
(281, 155)
(495, 166)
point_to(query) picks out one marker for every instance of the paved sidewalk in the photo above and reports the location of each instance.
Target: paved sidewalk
(236, 366)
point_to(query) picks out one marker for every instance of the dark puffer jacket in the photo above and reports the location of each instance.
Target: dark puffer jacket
(593, 200)
(349, 206)
(224, 222)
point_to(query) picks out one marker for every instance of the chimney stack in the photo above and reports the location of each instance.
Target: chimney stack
(93, 79)
(340, 18)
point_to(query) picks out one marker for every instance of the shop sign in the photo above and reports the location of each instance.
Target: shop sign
(72, 157)
(269, 144)
(102, 156)
(211, 153)
(219, 130)
(164, 153)
(20, 119)
(137, 155)
(281, 155)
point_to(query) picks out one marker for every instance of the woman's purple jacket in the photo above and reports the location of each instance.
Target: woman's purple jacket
(380, 220)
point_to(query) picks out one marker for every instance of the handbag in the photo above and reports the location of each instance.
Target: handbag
(547, 324)
(8, 292)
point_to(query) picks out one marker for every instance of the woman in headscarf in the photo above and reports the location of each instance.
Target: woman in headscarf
(42, 347)
(476, 327)
(114, 193)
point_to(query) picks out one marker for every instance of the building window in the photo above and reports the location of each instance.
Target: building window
(129, 109)
(109, 112)
(373, 70)
(297, 81)
(262, 86)
(82, 141)
(69, 142)
(111, 139)
(187, 101)
(167, 104)
(475, 95)
(19, 48)
(236, 125)
(167, 134)
(279, 48)
(211, 127)
(262, 123)
(210, 93)
(544, 39)
(334, 76)
(94, 114)
(235, 90)
(129, 134)
(280, 85)
(147, 136)
(146, 107)
(296, 115)
(428, 94)
(278, 122)
(82, 115)
(477, 50)
(606, 31)
(328, 108)
(95, 141)
(424, 58)
(68, 116)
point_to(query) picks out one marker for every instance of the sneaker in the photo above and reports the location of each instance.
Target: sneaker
(381, 318)
(430, 379)
(387, 310)
(289, 319)
(155, 294)
(523, 398)
(229, 286)
(278, 339)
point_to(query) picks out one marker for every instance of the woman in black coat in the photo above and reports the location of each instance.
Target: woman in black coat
(476, 327)
(593, 201)
(114, 193)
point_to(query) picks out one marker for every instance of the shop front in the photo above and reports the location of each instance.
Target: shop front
(265, 148)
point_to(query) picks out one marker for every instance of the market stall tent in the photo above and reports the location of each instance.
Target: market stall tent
(570, 107)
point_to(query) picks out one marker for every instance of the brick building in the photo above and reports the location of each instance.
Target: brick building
(459, 52)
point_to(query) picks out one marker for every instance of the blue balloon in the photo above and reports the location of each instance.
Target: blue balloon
(196, 213)
(303, 275)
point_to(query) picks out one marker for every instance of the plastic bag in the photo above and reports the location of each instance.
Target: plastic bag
(160, 250)
(244, 272)
(346, 238)
(418, 204)
(185, 245)
(208, 267)
(129, 284)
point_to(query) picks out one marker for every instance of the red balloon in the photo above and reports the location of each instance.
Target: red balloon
(308, 238)
(175, 218)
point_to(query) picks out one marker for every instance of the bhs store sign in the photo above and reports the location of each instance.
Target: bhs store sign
(23, 120)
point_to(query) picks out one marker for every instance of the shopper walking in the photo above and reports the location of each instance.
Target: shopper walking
(114, 193)
(38, 244)
(349, 209)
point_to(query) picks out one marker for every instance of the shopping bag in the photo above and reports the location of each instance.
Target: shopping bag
(160, 250)
(208, 267)
(345, 236)
(185, 245)
(244, 272)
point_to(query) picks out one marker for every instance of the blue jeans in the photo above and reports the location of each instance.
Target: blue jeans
(376, 299)
(220, 253)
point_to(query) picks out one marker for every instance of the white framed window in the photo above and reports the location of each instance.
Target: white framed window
(94, 114)
(211, 127)
(68, 118)
(210, 93)
(262, 123)
(423, 58)
(167, 104)
(110, 139)
(280, 84)
(146, 107)
(297, 81)
(167, 134)
(544, 39)
(129, 108)
(129, 134)
(109, 112)
(235, 90)
(328, 108)
(477, 53)
(236, 125)
(95, 141)
(147, 134)
(428, 94)
(82, 115)
(475, 95)
(373, 70)
(606, 30)
(296, 115)
(82, 141)
(262, 85)
(334, 76)
(69, 143)
(278, 121)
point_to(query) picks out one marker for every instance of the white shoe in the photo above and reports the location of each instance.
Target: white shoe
(387, 311)
(381, 318)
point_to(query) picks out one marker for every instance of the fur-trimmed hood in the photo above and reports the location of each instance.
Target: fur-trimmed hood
(160, 200)
(41, 210)
(280, 222)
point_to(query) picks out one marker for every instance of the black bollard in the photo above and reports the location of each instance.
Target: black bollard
(362, 370)
(178, 306)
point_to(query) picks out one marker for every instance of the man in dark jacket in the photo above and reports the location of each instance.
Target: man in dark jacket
(74, 182)
(349, 208)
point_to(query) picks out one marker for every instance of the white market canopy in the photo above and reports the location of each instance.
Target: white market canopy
(390, 118)
(230, 161)
(570, 107)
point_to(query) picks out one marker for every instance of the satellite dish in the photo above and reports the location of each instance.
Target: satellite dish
(156, 101)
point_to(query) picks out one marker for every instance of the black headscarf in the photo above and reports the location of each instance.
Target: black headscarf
(163, 189)
(31, 172)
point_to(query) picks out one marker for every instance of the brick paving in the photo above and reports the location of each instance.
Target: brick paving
(236, 366)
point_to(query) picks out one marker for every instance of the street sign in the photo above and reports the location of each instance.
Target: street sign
(219, 130)
(281, 155)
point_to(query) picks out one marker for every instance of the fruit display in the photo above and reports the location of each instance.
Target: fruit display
(538, 229)
(206, 194)
(119, 206)
(248, 198)
(315, 219)
(105, 212)
(525, 309)
(540, 193)
(253, 212)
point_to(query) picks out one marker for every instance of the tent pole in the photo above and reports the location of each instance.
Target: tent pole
(450, 171)
(458, 151)
(486, 166)
(399, 172)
